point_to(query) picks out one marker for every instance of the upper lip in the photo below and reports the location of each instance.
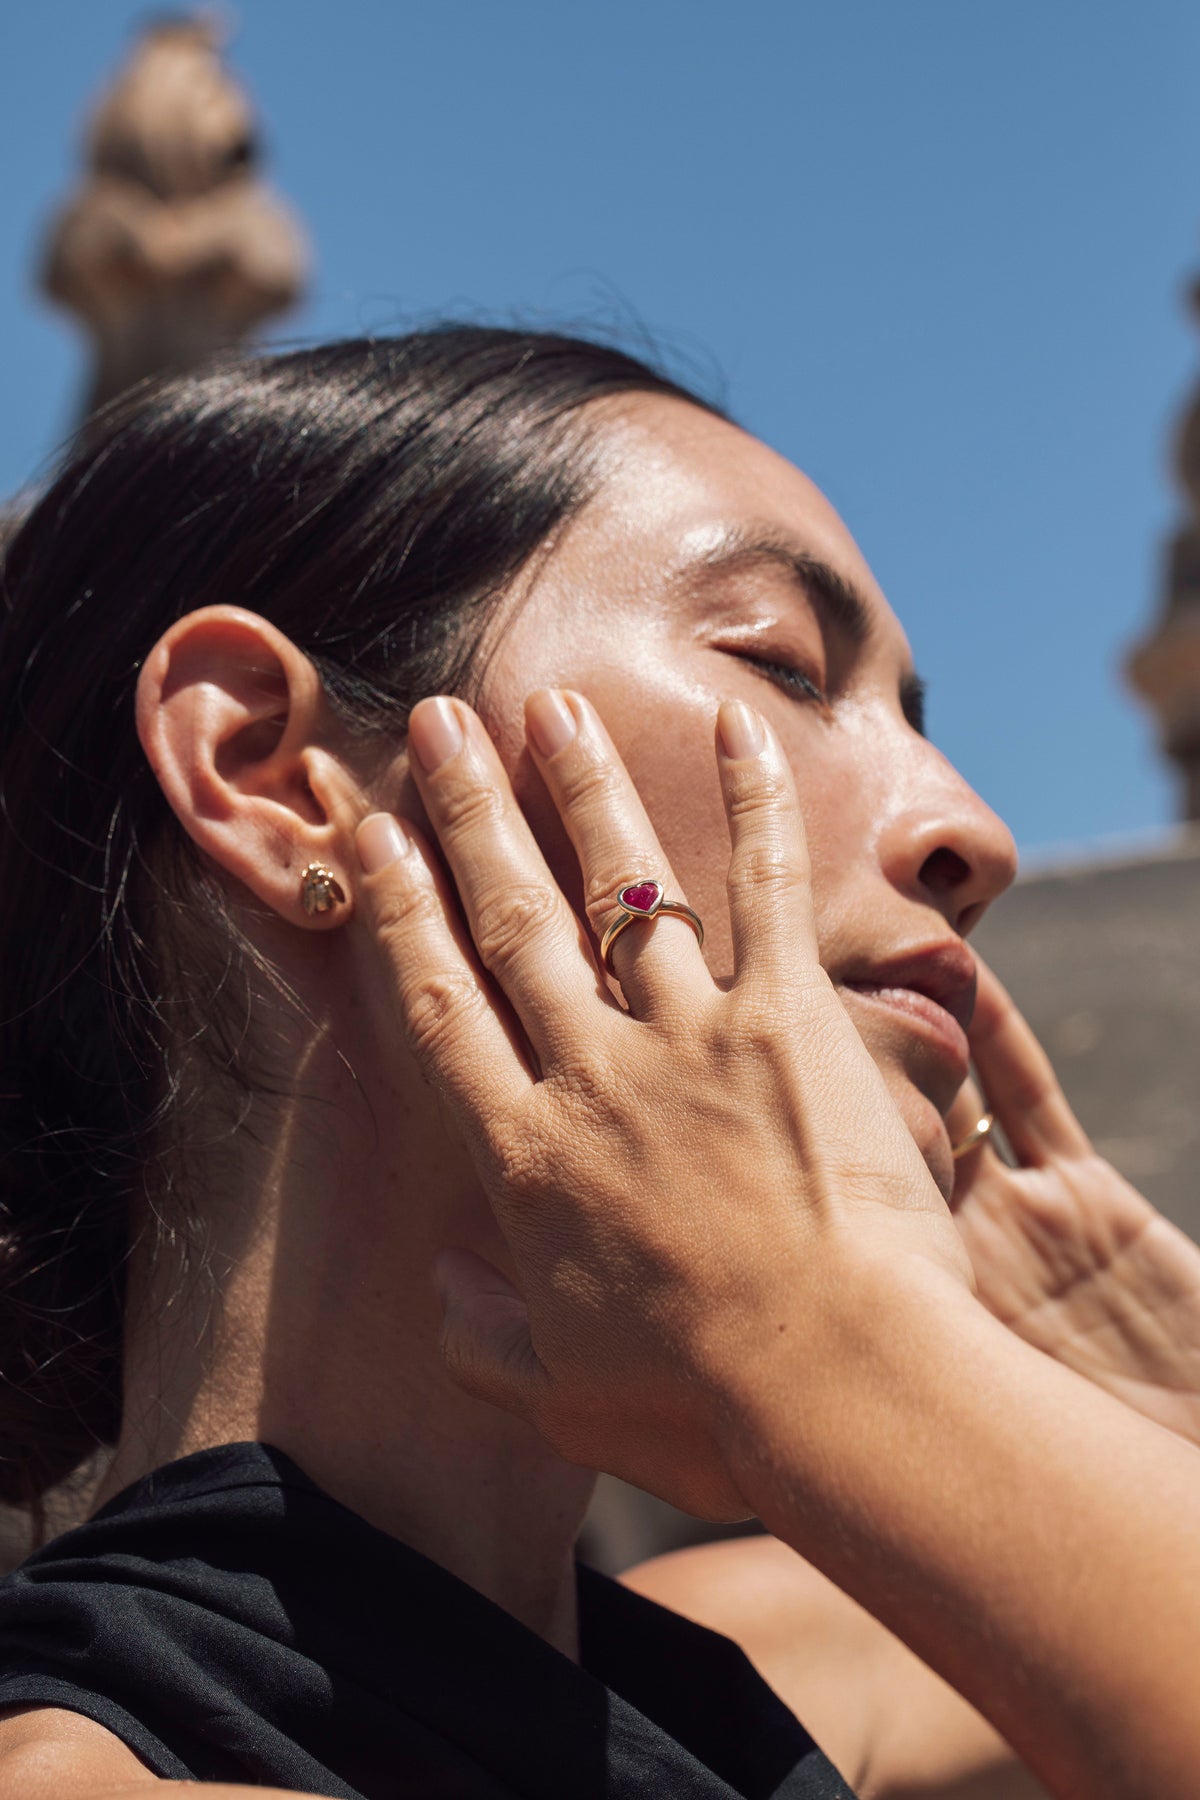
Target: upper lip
(944, 972)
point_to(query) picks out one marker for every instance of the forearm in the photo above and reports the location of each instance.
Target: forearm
(1030, 1539)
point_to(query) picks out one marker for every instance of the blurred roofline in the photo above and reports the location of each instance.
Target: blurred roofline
(1050, 862)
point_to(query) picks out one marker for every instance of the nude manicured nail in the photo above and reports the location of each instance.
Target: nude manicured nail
(380, 841)
(740, 730)
(550, 721)
(434, 733)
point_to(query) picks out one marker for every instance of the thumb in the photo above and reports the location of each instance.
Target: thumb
(486, 1341)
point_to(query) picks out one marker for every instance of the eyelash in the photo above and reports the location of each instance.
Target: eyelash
(793, 681)
(799, 686)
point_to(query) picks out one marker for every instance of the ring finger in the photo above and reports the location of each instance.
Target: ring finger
(656, 961)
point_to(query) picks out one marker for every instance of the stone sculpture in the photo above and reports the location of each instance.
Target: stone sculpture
(173, 246)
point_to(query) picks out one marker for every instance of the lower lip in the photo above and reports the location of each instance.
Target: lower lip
(939, 1027)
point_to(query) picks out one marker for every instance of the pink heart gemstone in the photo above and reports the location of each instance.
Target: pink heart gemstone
(640, 896)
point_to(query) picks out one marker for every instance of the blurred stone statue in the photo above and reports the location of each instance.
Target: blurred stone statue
(172, 246)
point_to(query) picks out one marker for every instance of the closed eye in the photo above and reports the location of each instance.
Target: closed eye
(801, 686)
(793, 681)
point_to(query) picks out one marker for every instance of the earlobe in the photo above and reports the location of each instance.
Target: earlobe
(236, 726)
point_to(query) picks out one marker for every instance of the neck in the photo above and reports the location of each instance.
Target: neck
(314, 1327)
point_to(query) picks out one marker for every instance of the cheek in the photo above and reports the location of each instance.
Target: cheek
(660, 705)
(666, 738)
(664, 728)
(663, 725)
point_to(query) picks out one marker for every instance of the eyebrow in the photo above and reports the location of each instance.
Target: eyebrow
(834, 595)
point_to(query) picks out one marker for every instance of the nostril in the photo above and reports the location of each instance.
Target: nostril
(944, 869)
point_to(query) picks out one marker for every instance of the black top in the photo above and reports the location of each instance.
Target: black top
(230, 1622)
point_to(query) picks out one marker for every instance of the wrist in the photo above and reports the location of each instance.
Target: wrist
(826, 1379)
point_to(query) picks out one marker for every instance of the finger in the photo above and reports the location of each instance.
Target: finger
(770, 881)
(963, 1118)
(434, 989)
(525, 933)
(657, 961)
(486, 1342)
(1020, 1084)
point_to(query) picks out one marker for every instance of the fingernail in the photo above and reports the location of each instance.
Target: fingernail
(740, 730)
(380, 841)
(550, 721)
(434, 733)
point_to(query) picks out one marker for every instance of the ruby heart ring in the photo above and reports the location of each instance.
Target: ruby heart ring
(640, 900)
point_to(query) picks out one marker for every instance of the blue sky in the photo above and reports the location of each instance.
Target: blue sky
(934, 250)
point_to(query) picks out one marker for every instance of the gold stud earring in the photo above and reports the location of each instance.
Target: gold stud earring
(320, 890)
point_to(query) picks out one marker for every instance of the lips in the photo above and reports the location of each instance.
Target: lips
(932, 987)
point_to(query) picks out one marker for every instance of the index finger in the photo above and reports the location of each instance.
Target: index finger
(1019, 1081)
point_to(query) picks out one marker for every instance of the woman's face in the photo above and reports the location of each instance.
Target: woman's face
(708, 568)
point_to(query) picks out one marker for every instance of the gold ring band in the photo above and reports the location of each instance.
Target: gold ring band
(973, 1138)
(639, 901)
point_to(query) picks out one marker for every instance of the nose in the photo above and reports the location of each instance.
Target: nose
(945, 847)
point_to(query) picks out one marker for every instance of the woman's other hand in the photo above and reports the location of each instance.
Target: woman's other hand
(679, 1181)
(1064, 1250)
(740, 1287)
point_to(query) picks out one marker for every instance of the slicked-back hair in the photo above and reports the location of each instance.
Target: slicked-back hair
(373, 500)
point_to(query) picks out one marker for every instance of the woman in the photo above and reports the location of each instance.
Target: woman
(226, 1176)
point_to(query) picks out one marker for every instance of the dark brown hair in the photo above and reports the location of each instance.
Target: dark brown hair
(372, 499)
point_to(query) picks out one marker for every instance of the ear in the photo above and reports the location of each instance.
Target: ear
(239, 733)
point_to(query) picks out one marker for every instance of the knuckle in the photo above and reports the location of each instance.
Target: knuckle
(586, 1079)
(757, 1021)
(764, 869)
(465, 807)
(525, 1160)
(435, 1005)
(587, 785)
(749, 1029)
(756, 793)
(400, 909)
(506, 924)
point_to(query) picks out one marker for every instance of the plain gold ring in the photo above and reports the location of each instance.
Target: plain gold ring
(973, 1138)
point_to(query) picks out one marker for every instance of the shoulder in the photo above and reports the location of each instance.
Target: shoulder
(816, 1648)
(48, 1753)
(756, 1591)
(885, 1720)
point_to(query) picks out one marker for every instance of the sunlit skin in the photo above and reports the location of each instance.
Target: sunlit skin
(648, 607)
(705, 568)
(332, 1207)
(325, 1215)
